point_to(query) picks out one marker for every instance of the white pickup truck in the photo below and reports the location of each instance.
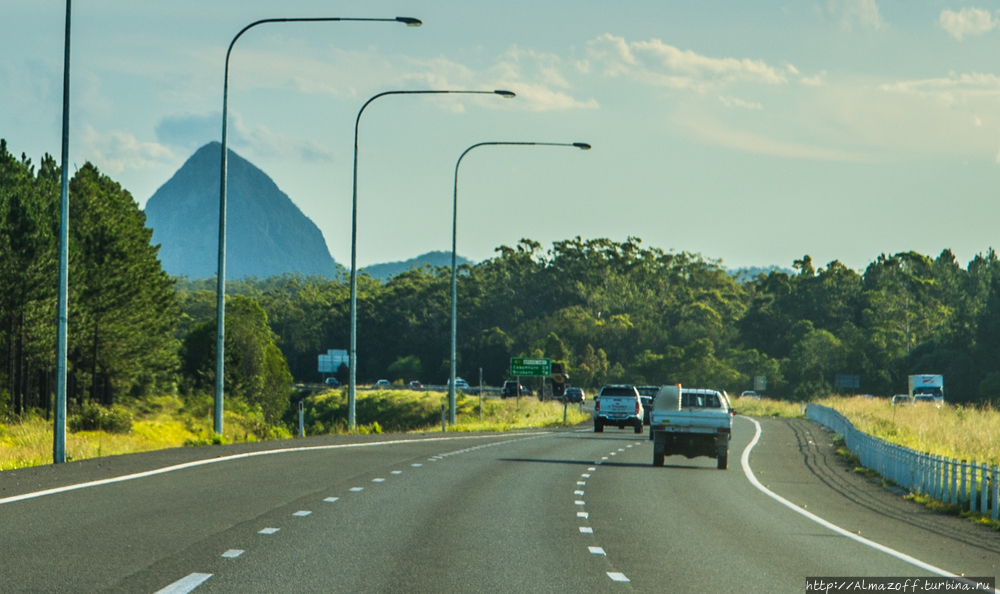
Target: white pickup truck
(690, 423)
(618, 405)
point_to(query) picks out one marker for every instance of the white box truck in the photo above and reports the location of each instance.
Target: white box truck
(927, 385)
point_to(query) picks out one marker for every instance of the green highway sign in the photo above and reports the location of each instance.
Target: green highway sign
(524, 367)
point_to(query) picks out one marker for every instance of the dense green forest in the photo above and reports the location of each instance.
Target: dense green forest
(613, 311)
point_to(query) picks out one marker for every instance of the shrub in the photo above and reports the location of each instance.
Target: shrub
(94, 417)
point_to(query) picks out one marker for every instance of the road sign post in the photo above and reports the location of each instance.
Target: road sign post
(302, 425)
(760, 383)
(527, 367)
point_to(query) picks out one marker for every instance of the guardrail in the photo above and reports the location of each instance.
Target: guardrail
(963, 483)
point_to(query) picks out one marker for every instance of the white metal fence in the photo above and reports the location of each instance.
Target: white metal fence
(972, 485)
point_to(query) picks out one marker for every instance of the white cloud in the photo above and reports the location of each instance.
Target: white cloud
(813, 81)
(188, 132)
(716, 133)
(740, 103)
(116, 151)
(539, 79)
(659, 64)
(968, 21)
(955, 88)
(851, 13)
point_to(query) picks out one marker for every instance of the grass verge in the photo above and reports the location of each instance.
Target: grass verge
(766, 407)
(158, 423)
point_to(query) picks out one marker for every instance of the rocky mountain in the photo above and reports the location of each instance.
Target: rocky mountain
(266, 233)
(433, 259)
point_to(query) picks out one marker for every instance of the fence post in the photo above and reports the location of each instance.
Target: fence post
(996, 494)
(972, 486)
(954, 481)
(963, 469)
(984, 494)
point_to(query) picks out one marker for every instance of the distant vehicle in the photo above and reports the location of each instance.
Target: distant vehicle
(646, 395)
(575, 395)
(510, 389)
(691, 423)
(618, 404)
(932, 385)
(901, 399)
(383, 384)
(926, 399)
(460, 384)
(750, 394)
(415, 385)
(332, 382)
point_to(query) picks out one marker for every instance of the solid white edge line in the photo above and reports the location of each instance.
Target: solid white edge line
(745, 462)
(195, 463)
(185, 584)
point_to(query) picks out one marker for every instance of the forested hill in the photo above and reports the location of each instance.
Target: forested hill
(432, 259)
(267, 234)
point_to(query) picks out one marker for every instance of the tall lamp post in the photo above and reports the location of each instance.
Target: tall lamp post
(59, 423)
(454, 258)
(221, 290)
(353, 361)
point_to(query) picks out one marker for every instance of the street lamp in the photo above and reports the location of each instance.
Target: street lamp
(353, 361)
(220, 333)
(59, 423)
(454, 264)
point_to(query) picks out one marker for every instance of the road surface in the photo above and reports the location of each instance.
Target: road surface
(540, 511)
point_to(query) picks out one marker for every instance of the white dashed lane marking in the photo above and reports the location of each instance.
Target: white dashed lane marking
(185, 585)
(618, 577)
(232, 553)
(268, 531)
(586, 530)
(580, 493)
(603, 458)
(583, 515)
(331, 499)
(416, 465)
(596, 551)
(581, 483)
(591, 469)
(397, 472)
(587, 475)
(578, 502)
(356, 489)
(301, 514)
(378, 480)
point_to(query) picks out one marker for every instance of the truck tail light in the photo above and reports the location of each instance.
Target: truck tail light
(597, 405)
(725, 430)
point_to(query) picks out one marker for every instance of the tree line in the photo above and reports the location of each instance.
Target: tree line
(622, 312)
(127, 334)
(613, 311)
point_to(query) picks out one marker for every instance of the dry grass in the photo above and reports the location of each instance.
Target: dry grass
(766, 407)
(966, 433)
(159, 423)
(504, 415)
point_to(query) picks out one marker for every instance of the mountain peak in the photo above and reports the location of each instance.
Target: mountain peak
(266, 233)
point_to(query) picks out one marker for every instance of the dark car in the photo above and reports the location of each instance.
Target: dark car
(415, 385)
(332, 382)
(647, 394)
(512, 389)
(575, 395)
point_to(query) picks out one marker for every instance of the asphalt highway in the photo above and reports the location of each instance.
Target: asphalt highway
(545, 511)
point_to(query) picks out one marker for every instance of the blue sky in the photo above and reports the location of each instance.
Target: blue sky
(749, 132)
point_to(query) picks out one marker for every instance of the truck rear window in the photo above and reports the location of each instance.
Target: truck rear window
(617, 391)
(689, 400)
